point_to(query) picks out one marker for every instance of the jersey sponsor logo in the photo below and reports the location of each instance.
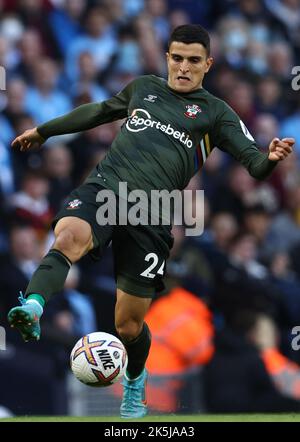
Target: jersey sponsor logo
(140, 120)
(74, 204)
(192, 111)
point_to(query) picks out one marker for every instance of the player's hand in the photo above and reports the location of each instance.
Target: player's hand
(280, 149)
(28, 139)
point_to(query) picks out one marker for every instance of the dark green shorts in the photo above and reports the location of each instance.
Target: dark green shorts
(140, 252)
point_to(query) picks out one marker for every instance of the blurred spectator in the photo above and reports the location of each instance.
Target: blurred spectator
(286, 175)
(14, 108)
(24, 160)
(133, 7)
(269, 97)
(6, 133)
(7, 54)
(238, 192)
(212, 173)
(65, 23)
(187, 266)
(286, 14)
(118, 81)
(31, 50)
(252, 10)
(257, 57)
(18, 266)
(116, 11)
(243, 254)
(43, 100)
(284, 373)
(284, 230)
(30, 204)
(281, 60)
(240, 281)
(237, 380)
(151, 46)
(11, 32)
(7, 173)
(257, 220)
(87, 80)
(265, 128)
(198, 12)
(15, 94)
(182, 333)
(128, 56)
(234, 37)
(99, 39)
(241, 99)
(223, 229)
(58, 168)
(33, 14)
(178, 17)
(286, 277)
(291, 125)
(158, 9)
(224, 80)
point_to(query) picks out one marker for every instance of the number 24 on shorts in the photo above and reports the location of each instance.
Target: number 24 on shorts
(153, 259)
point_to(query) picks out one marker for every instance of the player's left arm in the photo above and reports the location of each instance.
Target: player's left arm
(231, 135)
(259, 164)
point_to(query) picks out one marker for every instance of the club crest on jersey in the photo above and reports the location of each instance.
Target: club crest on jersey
(74, 204)
(192, 111)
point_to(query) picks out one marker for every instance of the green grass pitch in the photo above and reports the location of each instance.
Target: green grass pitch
(286, 417)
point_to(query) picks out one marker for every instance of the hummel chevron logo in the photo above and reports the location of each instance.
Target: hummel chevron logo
(151, 98)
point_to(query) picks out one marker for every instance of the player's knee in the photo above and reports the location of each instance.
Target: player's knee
(71, 245)
(65, 240)
(128, 329)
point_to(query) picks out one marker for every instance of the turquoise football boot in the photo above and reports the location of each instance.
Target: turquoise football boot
(134, 404)
(26, 318)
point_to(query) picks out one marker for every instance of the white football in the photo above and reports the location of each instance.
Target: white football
(98, 359)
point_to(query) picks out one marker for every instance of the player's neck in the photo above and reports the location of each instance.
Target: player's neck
(193, 91)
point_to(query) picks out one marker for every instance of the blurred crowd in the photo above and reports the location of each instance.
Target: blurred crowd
(243, 271)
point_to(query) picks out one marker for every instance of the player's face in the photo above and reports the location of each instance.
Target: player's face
(187, 65)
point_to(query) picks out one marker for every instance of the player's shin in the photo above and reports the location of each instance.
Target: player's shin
(49, 277)
(138, 350)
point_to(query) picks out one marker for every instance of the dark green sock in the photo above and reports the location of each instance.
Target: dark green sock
(138, 351)
(50, 276)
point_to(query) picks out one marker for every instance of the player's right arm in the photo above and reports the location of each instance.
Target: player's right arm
(28, 139)
(82, 118)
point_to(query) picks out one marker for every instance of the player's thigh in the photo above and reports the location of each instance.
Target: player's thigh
(80, 212)
(140, 254)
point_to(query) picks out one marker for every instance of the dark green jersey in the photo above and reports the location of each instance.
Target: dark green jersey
(166, 137)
